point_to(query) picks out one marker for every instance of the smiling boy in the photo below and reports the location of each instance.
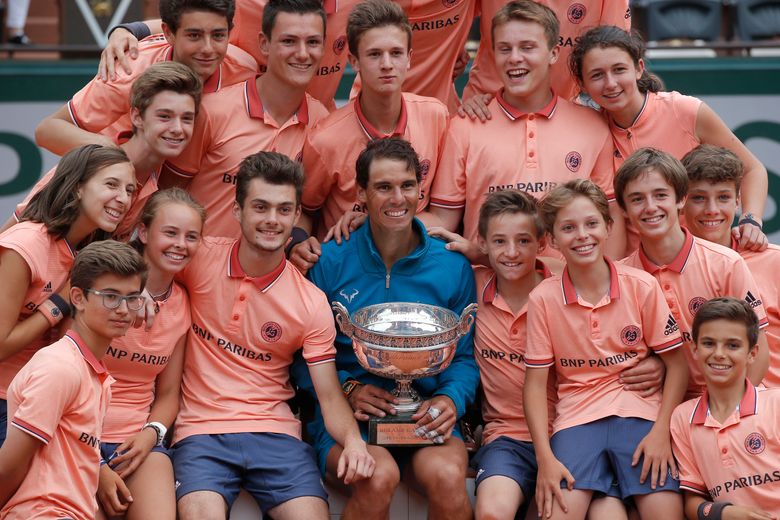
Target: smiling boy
(651, 188)
(164, 103)
(726, 441)
(715, 176)
(49, 463)
(511, 235)
(268, 112)
(379, 38)
(195, 34)
(528, 143)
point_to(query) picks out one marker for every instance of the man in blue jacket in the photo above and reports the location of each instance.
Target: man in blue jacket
(392, 258)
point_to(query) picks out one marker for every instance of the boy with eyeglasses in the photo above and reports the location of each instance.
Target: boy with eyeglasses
(49, 464)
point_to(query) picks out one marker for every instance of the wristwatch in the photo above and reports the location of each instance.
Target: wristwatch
(349, 386)
(160, 429)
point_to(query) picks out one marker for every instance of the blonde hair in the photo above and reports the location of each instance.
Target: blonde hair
(528, 11)
(562, 195)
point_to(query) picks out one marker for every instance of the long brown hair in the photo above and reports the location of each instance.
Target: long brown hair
(57, 205)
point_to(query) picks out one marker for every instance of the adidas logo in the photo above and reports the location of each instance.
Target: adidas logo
(752, 300)
(47, 288)
(671, 326)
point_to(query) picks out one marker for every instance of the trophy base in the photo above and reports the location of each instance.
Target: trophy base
(395, 430)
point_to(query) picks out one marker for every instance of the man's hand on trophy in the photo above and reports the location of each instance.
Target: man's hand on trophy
(371, 400)
(435, 418)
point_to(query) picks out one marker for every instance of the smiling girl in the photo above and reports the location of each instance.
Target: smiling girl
(85, 201)
(608, 63)
(136, 479)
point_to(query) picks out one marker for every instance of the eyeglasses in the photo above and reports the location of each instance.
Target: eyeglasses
(113, 300)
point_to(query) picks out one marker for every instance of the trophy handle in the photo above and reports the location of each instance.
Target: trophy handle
(342, 318)
(467, 318)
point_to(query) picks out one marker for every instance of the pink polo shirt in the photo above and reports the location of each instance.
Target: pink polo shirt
(244, 334)
(735, 461)
(60, 398)
(590, 345)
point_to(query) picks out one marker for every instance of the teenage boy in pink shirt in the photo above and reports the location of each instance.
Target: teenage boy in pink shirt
(49, 464)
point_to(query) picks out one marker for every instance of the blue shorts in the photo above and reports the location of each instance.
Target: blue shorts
(108, 448)
(323, 442)
(509, 458)
(3, 420)
(272, 467)
(598, 455)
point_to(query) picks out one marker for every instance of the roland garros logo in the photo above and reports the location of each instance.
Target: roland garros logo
(339, 45)
(576, 13)
(695, 303)
(271, 331)
(755, 443)
(630, 335)
(573, 161)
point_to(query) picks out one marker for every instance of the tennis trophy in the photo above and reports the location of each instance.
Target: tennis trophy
(403, 341)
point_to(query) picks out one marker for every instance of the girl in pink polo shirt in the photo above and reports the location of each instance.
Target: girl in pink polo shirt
(147, 366)
(85, 201)
(588, 324)
(608, 63)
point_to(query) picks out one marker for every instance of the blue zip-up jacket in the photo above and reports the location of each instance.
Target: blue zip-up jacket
(354, 274)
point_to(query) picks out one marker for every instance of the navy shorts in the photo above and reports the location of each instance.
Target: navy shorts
(107, 449)
(598, 455)
(272, 467)
(509, 458)
(3, 420)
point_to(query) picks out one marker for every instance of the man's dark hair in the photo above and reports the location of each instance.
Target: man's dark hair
(393, 148)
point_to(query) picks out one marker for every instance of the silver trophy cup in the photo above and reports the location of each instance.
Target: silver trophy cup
(404, 341)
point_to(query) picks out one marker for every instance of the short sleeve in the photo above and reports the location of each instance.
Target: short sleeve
(616, 12)
(660, 329)
(690, 476)
(319, 177)
(31, 246)
(449, 185)
(539, 349)
(321, 332)
(603, 173)
(43, 393)
(741, 284)
(100, 103)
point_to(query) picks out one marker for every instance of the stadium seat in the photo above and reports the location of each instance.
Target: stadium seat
(757, 19)
(682, 19)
